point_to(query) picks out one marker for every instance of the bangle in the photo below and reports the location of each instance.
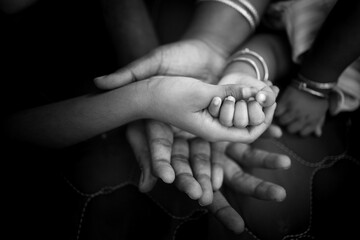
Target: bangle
(251, 9)
(239, 8)
(247, 51)
(317, 85)
(251, 62)
(303, 87)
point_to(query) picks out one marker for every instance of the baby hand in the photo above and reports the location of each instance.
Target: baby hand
(236, 113)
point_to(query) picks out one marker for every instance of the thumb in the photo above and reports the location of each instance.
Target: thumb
(138, 70)
(137, 139)
(238, 91)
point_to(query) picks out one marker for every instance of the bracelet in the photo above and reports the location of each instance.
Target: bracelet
(247, 51)
(239, 8)
(251, 62)
(317, 85)
(251, 9)
(303, 87)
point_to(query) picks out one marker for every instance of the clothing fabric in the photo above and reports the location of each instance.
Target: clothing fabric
(302, 19)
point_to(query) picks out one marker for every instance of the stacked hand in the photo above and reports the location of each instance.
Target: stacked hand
(301, 112)
(197, 166)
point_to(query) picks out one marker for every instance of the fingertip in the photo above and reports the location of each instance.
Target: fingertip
(230, 98)
(275, 131)
(238, 226)
(281, 195)
(261, 98)
(147, 182)
(206, 199)
(265, 98)
(277, 193)
(217, 178)
(214, 107)
(167, 176)
(195, 192)
(217, 101)
(284, 162)
(98, 81)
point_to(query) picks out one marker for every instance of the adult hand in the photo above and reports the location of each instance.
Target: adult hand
(190, 58)
(198, 161)
(183, 102)
(201, 167)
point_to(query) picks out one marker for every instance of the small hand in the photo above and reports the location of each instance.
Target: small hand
(301, 112)
(245, 112)
(191, 97)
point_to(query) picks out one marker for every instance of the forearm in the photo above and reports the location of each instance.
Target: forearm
(275, 52)
(221, 26)
(337, 44)
(130, 27)
(75, 120)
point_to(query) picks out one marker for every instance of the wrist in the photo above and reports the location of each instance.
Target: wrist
(139, 99)
(318, 89)
(240, 67)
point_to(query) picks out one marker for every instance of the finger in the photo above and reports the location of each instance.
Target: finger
(308, 129)
(241, 118)
(227, 111)
(252, 186)
(140, 69)
(222, 210)
(296, 126)
(181, 133)
(287, 118)
(200, 163)
(137, 139)
(273, 131)
(238, 91)
(269, 83)
(185, 180)
(256, 114)
(318, 129)
(281, 108)
(275, 89)
(217, 159)
(245, 135)
(247, 156)
(266, 97)
(214, 107)
(160, 138)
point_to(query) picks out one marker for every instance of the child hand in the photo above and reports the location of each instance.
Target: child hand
(301, 112)
(246, 112)
(183, 102)
(236, 113)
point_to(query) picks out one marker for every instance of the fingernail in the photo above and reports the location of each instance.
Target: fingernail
(217, 101)
(230, 98)
(100, 78)
(261, 97)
